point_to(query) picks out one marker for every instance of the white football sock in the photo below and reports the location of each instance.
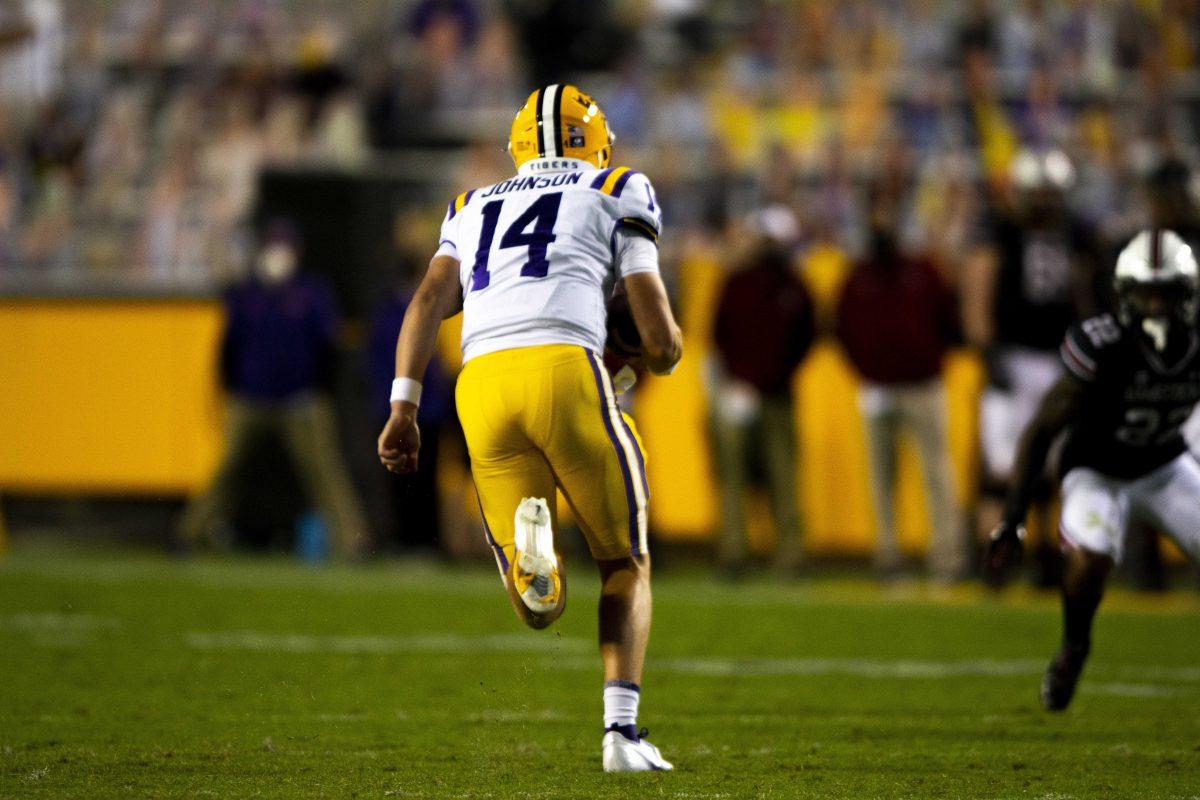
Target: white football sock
(620, 703)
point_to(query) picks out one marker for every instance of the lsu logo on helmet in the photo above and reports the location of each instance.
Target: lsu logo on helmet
(559, 120)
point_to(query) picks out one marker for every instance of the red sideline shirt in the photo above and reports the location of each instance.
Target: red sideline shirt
(896, 320)
(764, 325)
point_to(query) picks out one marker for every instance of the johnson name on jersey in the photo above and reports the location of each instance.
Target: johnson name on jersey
(537, 252)
(1137, 401)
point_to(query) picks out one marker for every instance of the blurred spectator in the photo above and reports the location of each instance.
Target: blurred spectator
(31, 51)
(927, 39)
(277, 357)
(462, 14)
(414, 510)
(1043, 119)
(318, 76)
(977, 30)
(764, 328)
(1026, 38)
(1032, 275)
(8, 204)
(566, 37)
(1171, 189)
(896, 319)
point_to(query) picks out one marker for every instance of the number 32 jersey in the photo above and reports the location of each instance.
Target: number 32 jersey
(537, 253)
(1137, 399)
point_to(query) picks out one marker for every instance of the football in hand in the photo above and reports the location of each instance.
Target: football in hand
(623, 337)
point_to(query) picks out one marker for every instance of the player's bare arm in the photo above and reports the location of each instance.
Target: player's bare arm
(662, 341)
(438, 297)
(1060, 405)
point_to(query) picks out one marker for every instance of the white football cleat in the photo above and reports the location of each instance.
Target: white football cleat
(631, 755)
(535, 569)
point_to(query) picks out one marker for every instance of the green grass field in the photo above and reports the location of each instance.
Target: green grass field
(134, 676)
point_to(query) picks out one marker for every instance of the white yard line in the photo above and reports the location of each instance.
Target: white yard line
(1138, 681)
(52, 621)
(859, 667)
(1131, 689)
(262, 641)
(56, 630)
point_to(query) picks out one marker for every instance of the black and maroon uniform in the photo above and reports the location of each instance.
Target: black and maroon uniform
(1138, 399)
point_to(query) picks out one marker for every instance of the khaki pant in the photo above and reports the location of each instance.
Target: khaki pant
(308, 429)
(770, 430)
(921, 410)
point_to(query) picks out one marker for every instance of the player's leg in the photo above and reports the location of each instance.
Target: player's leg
(1093, 526)
(517, 501)
(625, 611)
(1004, 415)
(1169, 498)
(516, 488)
(1084, 576)
(998, 435)
(597, 457)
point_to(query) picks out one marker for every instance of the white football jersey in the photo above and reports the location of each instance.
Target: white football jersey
(536, 252)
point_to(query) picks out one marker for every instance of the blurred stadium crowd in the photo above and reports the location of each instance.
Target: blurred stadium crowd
(134, 129)
(133, 134)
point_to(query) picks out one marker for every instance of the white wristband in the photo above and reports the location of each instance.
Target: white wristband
(406, 390)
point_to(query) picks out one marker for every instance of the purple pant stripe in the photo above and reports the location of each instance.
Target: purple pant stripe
(622, 459)
(487, 533)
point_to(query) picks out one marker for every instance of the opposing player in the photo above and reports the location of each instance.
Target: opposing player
(530, 262)
(1131, 382)
(1025, 284)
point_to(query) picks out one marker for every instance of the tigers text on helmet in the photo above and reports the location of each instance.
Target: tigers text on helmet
(1157, 280)
(559, 120)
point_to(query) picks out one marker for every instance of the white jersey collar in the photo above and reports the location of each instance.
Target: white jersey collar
(554, 164)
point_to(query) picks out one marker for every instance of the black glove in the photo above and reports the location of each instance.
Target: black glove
(1004, 548)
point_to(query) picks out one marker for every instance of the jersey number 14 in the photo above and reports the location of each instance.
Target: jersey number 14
(541, 215)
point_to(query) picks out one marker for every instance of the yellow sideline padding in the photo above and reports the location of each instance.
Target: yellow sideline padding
(108, 396)
(832, 469)
(119, 397)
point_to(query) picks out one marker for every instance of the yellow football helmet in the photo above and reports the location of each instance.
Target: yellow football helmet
(560, 120)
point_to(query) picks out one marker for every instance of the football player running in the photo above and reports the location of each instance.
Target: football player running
(1132, 380)
(530, 262)
(1025, 284)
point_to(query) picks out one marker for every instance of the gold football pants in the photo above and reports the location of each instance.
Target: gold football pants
(537, 419)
